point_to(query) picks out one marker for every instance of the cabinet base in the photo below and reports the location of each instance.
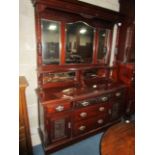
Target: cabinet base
(61, 144)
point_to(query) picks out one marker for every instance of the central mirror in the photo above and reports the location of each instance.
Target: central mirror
(79, 42)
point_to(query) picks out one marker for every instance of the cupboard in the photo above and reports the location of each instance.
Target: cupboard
(77, 45)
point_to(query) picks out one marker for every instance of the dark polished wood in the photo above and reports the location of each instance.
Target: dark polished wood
(126, 46)
(79, 117)
(25, 145)
(125, 58)
(76, 100)
(127, 76)
(85, 9)
(70, 141)
(119, 139)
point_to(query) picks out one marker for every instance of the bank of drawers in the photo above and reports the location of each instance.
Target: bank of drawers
(94, 113)
(90, 113)
(89, 118)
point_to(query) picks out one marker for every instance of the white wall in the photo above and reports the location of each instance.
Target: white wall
(27, 62)
(109, 4)
(27, 55)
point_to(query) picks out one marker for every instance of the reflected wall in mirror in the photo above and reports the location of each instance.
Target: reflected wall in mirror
(104, 45)
(79, 42)
(50, 41)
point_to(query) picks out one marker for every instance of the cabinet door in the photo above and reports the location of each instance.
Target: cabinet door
(116, 110)
(60, 128)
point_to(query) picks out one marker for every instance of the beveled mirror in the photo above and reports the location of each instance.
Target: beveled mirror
(50, 41)
(79, 42)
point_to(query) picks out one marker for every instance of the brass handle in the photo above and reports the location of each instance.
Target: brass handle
(83, 114)
(49, 79)
(82, 128)
(85, 103)
(118, 94)
(105, 98)
(101, 108)
(59, 108)
(100, 121)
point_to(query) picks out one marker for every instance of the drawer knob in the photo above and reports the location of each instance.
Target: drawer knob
(83, 114)
(59, 108)
(109, 111)
(100, 121)
(118, 94)
(105, 98)
(85, 103)
(82, 128)
(101, 109)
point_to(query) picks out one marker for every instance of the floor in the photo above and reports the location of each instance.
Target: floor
(89, 146)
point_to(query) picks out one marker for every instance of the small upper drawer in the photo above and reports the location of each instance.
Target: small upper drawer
(59, 107)
(85, 103)
(96, 100)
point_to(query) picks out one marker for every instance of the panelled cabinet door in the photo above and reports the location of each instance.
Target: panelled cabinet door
(115, 110)
(60, 128)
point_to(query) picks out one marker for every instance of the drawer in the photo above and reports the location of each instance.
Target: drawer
(84, 103)
(92, 111)
(59, 107)
(88, 125)
(116, 109)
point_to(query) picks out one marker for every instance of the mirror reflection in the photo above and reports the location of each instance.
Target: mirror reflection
(79, 43)
(104, 45)
(58, 77)
(50, 41)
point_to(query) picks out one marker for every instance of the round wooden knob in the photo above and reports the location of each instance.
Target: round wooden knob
(101, 109)
(83, 114)
(118, 94)
(100, 121)
(82, 128)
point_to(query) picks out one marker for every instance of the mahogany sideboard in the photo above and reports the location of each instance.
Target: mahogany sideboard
(77, 94)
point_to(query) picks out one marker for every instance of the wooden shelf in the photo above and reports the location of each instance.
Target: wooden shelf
(76, 67)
